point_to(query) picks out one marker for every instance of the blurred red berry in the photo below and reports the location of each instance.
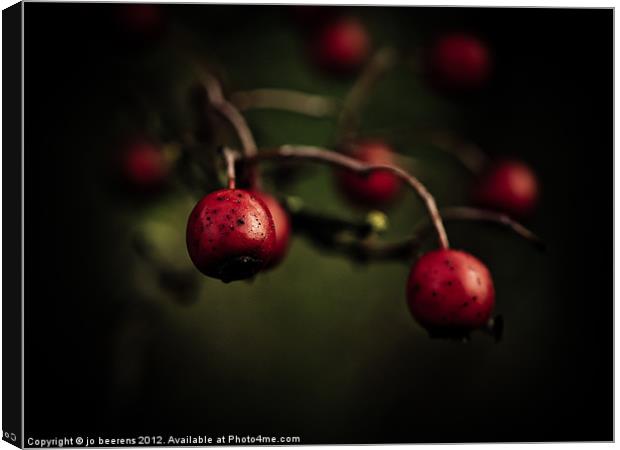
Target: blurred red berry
(282, 224)
(144, 165)
(508, 186)
(376, 189)
(459, 61)
(450, 289)
(341, 46)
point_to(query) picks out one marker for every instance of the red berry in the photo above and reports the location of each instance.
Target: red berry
(508, 186)
(450, 290)
(230, 235)
(282, 224)
(374, 190)
(459, 61)
(342, 45)
(144, 165)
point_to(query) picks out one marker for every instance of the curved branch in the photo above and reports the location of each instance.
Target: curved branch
(230, 113)
(458, 213)
(234, 117)
(285, 99)
(324, 156)
(314, 226)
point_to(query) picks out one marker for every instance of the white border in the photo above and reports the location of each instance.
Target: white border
(481, 3)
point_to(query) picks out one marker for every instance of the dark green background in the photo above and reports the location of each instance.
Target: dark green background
(320, 348)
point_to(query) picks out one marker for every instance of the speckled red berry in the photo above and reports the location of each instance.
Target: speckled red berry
(508, 186)
(230, 235)
(450, 290)
(376, 189)
(282, 224)
(144, 165)
(341, 46)
(459, 61)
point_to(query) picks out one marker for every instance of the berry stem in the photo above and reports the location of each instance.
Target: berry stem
(229, 158)
(285, 99)
(235, 118)
(324, 156)
(349, 118)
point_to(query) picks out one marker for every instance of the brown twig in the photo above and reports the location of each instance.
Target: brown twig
(313, 225)
(285, 99)
(381, 61)
(324, 156)
(235, 118)
(458, 213)
(405, 247)
(228, 111)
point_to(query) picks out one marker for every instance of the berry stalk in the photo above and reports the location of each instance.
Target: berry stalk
(235, 118)
(229, 158)
(332, 158)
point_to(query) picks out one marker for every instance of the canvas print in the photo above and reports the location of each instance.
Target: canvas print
(303, 224)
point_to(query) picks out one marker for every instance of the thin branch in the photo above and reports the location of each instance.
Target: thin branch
(336, 159)
(235, 118)
(380, 63)
(458, 213)
(316, 227)
(228, 111)
(284, 99)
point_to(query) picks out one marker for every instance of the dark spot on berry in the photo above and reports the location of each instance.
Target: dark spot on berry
(220, 199)
(434, 294)
(474, 298)
(416, 287)
(240, 221)
(239, 195)
(465, 304)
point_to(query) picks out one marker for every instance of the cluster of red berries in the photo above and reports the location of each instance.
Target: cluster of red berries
(233, 234)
